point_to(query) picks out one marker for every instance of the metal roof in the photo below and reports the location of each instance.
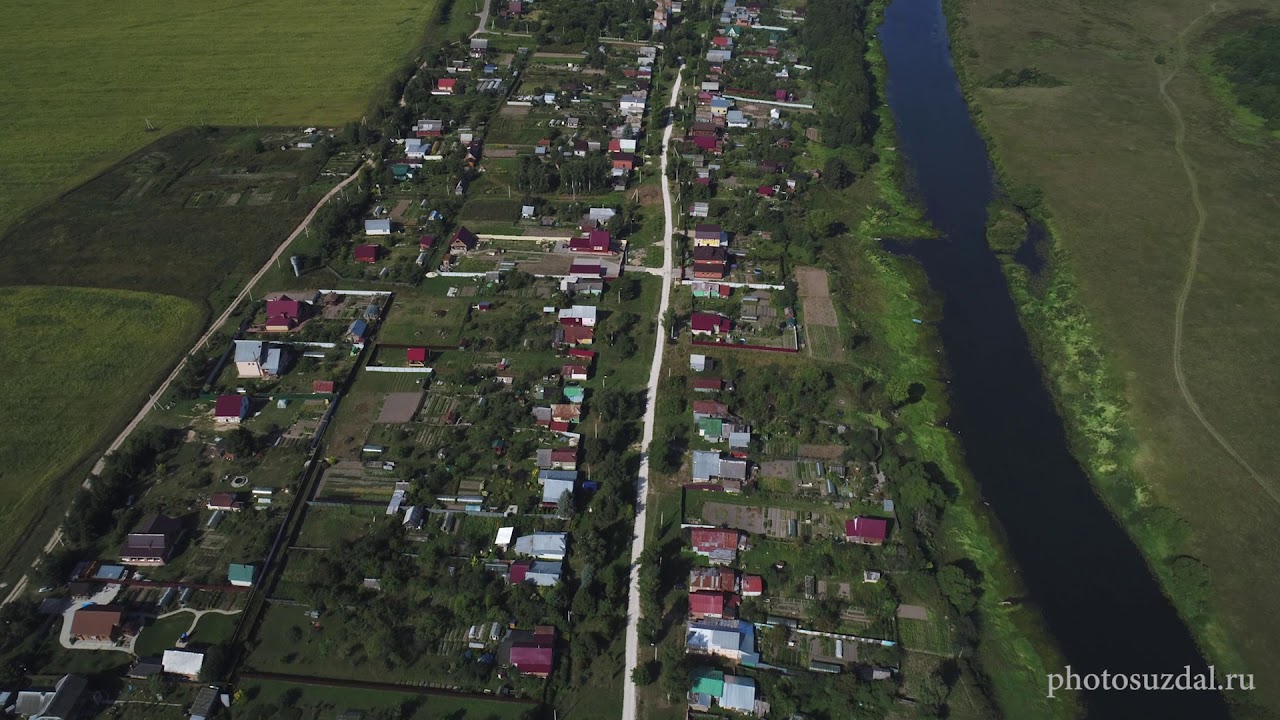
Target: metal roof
(739, 693)
(543, 545)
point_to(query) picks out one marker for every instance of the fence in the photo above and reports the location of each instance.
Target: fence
(766, 348)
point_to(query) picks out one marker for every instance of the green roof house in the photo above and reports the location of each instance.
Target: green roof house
(575, 394)
(707, 685)
(241, 575)
(711, 428)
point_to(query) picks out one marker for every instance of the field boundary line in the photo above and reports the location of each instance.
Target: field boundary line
(1202, 217)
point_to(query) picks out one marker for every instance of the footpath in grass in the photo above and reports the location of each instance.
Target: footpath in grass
(84, 91)
(77, 363)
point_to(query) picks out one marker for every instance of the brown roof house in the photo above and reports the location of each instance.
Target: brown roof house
(99, 623)
(152, 541)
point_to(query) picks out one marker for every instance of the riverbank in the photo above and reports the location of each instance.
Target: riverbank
(884, 294)
(1089, 386)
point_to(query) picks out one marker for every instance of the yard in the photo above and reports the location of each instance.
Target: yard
(55, 412)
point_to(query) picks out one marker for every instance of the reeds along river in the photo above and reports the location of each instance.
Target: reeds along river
(1099, 602)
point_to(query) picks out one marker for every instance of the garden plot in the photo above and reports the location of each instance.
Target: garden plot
(399, 407)
(771, 521)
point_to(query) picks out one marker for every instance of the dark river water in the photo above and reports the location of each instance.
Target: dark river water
(1082, 571)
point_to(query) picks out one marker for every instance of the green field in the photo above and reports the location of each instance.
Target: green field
(1121, 207)
(80, 91)
(77, 363)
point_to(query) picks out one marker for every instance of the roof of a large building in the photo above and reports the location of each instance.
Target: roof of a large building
(95, 621)
(542, 545)
(867, 528)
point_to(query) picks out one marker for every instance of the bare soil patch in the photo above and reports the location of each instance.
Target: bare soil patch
(815, 294)
(400, 407)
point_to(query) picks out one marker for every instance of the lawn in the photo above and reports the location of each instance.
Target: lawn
(56, 410)
(320, 701)
(1102, 149)
(81, 92)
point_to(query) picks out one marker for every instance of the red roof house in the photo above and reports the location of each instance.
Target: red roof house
(283, 314)
(322, 386)
(519, 570)
(624, 161)
(752, 586)
(766, 191)
(721, 41)
(230, 408)
(560, 426)
(708, 384)
(866, 530)
(463, 240)
(704, 540)
(596, 241)
(590, 269)
(426, 242)
(575, 372)
(709, 254)
(708, 605)
(709, 324)
(224, 501)
(578, 334)
(709, 270)
(416, 356)
(447, 85)
(587, 355)
(534, 653)
(710, 408)
(366, 253)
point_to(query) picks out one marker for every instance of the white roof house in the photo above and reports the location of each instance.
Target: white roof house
(543, 545)
(733, 639)
(739, 694)
(505, 536)
(377, 227)
(706, 465)
(544, 573)
(699, 363)
(584, 314)
(552, 489)
(601, 214)
(182, 662)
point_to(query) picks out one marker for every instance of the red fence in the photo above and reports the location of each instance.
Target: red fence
(766, 348)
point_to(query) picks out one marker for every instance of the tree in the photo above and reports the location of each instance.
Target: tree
(958, 588)
(836, 174)
(644, 674)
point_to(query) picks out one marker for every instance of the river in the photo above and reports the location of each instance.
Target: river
(1091, 585)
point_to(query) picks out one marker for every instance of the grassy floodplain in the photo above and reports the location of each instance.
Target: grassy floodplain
(84, 362)
(82, 81)
(1100, 143)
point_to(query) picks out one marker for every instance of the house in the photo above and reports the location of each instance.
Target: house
(752, 586)
(709, 605)
(624, 161)
(575, 394)
(709, 235)
(504, 538)
(766, 191)
(544, 545)
(97, 623)
(533, 653)
(709, 409)
(709, 271)
(709, 289)
(732, 639)
(426, 242)
(184, 663)
(739, 443)
(63, 702)
(322, 387)
(709, 324)
(574, 284)
(241, 575)
(256, 359)
(365, 253)
(722, 41)
(357, 331)
(463, 240)
(578, 335)
(700, 363)
(588, 355)
(446, 86)
(205, 703)
(596, 241)
(479, 47)
(700, 209)
(586, 269)
(555, 483)
(720, 105)
(739, 694)
(428, 128)
(416, 356)
(707, 686)
(719, 545)
(152, 541)
(584, 315)
(230, 408)
(543, 573)
(575, 372)
(284, 314)
(866, 530)
(735, 119)
(227, 502)
(707, 384)
(632, 104)
(377, 227)
(713, 579)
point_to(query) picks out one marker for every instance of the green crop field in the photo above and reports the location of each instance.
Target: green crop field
(1101, 145)
(82, 81)
(77, 364)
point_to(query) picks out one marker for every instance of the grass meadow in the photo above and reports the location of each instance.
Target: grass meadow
(82, 81)
(77, 363)
(1101, 146)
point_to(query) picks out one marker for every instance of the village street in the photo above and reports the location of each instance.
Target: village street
(650, 411)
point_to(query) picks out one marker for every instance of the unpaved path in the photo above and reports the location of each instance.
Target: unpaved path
(650, 411)
(1202, 217)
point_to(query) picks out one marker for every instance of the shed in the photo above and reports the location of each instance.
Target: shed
(241, 575)
(186, 663)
